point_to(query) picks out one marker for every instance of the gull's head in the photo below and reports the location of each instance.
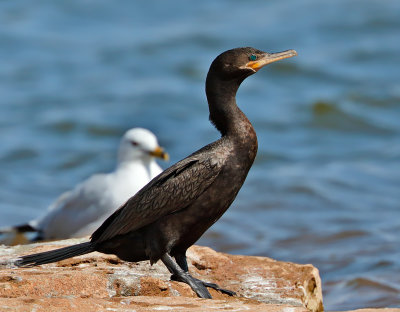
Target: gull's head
(140, 144)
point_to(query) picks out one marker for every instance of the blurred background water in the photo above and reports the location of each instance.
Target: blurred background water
(74, 75)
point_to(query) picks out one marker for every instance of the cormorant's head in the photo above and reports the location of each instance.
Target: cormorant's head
(140, 144)
(242, 62)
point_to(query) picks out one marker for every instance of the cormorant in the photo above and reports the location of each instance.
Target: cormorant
(173, 210)
(80, 211)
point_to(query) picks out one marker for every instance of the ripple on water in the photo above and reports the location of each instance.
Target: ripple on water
(19, 154)
(331, 116)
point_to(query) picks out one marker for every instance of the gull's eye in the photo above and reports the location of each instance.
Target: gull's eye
(252, 57)
(134, 143)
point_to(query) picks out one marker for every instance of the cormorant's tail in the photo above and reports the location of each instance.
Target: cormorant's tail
(54, 255)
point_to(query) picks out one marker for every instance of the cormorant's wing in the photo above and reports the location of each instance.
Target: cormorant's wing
(172, 190)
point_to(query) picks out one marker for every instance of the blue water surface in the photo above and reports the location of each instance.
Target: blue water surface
(74, 75)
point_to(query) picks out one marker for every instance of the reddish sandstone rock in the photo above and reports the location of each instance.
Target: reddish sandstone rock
(376, 310)
(96, 282)
(139, 304)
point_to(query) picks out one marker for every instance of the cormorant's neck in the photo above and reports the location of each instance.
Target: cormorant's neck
(224, 113)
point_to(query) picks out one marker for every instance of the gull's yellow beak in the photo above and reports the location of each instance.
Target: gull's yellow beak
(160, 153)
(269, 58)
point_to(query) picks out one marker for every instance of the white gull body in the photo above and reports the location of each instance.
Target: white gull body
(82, 210)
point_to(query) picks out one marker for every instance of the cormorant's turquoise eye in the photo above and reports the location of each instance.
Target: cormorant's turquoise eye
(252, 57)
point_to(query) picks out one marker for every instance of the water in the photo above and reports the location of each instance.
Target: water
(74, 75)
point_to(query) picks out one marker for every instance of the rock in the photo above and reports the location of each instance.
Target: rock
(138, 304)
(376, 310)
(99, 282)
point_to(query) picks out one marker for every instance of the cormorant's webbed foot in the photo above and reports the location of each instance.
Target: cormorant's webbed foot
(198, 286)
(210, 285)
(182, 262)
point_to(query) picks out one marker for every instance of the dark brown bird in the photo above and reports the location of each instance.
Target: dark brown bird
(174, 209)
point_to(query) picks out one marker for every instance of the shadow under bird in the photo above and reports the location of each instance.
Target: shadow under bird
(173, 210)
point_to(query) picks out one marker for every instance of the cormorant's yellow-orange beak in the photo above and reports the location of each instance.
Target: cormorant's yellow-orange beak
(160, 153)
(269, 58)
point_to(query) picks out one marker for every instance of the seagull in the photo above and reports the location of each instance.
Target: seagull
(80, 211)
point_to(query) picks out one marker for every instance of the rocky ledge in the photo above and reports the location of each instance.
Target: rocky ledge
(98, 282)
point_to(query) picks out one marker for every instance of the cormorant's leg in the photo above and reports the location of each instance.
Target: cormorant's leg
(182, 262)
(182, 276)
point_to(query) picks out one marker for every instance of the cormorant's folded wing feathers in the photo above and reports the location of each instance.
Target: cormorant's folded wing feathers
(172, 190)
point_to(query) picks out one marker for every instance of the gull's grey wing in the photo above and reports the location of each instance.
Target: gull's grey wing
(74, 209)
(172, 190)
